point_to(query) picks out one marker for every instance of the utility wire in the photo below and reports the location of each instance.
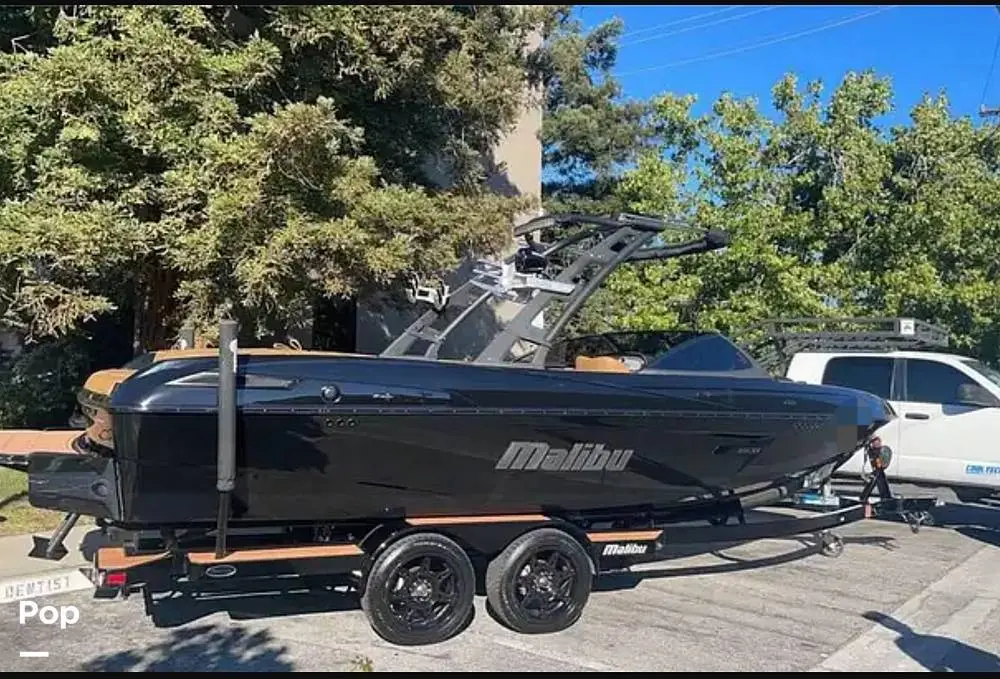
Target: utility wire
(764, 43)
(989, 74)
(698, 26)
(703, 15)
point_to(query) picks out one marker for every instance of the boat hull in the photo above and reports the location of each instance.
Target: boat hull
(323, 440)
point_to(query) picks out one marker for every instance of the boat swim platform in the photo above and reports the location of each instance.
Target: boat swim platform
(17, 444)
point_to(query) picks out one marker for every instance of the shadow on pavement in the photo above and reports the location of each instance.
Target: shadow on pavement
(629, 579)
(175, 607)
(979, 521)
(935, 653)
(91, 542)
(976, 518)
(205, 648)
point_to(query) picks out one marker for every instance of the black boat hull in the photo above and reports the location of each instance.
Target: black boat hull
(323, 439)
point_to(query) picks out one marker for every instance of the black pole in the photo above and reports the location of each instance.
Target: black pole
(226, 475)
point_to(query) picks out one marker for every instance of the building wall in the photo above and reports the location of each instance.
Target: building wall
(516, 164)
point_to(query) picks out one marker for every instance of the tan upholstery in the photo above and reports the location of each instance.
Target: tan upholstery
(600, 364)
(26, 441)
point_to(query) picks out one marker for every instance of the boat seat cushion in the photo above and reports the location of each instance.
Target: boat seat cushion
(600, 364)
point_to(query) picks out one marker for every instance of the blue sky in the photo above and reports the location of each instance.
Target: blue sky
(922, 49)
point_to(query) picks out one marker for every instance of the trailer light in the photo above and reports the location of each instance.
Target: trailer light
(116, 579)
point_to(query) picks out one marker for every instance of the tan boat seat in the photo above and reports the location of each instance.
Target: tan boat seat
(600, 364)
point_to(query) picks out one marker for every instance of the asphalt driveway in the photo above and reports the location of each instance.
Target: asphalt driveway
(893, 600)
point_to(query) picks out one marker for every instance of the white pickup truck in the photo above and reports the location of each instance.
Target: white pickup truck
(947, 432)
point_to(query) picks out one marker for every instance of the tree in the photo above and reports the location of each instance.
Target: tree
(172, 158)
(831, 214)
(590, 132)
(161, 162)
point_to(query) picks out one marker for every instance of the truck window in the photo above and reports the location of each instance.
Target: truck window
(933, 382)
(866, 373)
(986, 371)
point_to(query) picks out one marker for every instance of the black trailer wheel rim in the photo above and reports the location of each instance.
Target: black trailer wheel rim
(543, 586)
(423, 592)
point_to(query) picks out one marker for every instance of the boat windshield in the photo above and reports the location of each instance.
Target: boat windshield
(678, 350)
(704, 353)
(992, 374)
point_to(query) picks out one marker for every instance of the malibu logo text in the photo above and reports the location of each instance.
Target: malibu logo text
(582, 457)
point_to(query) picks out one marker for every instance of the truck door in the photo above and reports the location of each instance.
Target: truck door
(944, 438)
(876, 375)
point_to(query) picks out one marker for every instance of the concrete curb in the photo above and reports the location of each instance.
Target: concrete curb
(929, 625)
(14, 559)
(48, 583)
(25, 577)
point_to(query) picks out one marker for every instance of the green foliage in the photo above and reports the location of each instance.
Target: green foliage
(186, 155)
(589, 131)
(38, 386)
(831, 215)
(362, 663)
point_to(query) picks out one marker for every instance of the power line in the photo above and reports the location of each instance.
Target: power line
(698, 26)
(703, 15)
(764, 43)
(989, 74)
(983, 110)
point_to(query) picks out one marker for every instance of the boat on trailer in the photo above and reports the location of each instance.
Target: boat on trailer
(527, 464)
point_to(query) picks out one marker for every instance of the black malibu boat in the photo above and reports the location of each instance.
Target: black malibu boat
(586, 449)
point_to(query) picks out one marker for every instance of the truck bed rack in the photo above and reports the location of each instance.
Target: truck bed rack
(784, 337)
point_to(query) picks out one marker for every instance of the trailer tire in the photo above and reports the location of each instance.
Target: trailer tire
(419, 590)
(545, 564)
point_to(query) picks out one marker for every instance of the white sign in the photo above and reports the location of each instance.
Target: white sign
(45, 585)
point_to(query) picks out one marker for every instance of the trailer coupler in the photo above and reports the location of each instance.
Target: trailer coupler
(915, 511)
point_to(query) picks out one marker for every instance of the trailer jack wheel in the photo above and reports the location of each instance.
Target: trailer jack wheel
(831, 544)
(540, 583)
(420, 590)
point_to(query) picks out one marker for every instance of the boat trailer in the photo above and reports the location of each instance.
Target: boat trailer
(482, 553)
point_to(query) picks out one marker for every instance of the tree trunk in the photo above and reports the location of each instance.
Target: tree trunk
(155, 308)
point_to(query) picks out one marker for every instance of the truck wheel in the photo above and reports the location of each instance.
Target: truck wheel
(540, 582)
(419, 590)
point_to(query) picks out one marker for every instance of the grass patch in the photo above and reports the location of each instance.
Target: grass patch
(16, 515)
